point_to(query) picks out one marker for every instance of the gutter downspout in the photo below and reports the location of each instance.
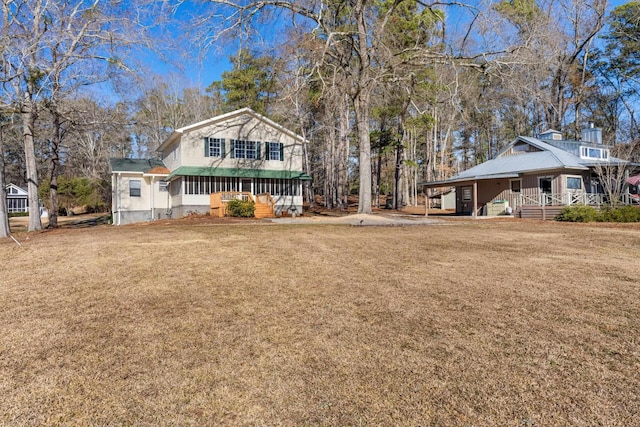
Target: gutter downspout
(153, 213)
(118, 198)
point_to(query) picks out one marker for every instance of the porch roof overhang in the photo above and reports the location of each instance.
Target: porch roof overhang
(238, 173)
(467, 179)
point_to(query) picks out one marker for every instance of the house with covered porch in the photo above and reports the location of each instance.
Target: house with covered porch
(536, 177)
(17, 199)
(238, 155)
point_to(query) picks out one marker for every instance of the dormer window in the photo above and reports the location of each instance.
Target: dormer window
(594, 153)
(518, 148)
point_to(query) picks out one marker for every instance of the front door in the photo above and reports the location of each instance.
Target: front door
(246, 186)
(466, 200)
(545, 190)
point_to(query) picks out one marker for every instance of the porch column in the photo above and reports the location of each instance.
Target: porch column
(475, 199)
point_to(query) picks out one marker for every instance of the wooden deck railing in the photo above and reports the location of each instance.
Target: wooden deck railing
(218, 203)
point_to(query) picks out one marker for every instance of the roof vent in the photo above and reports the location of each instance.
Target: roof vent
(592, 134)
(551, 134)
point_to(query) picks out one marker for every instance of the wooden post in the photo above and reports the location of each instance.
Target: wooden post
(475, 199)
(426, 205)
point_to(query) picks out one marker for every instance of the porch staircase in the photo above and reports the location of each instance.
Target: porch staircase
(264, 206)
(263, 211)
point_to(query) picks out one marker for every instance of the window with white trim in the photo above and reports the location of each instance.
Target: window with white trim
(245, 149)
(275, 151)
(594, 153)
(574, 183)
(163, 185)
(214, 147)
(135, 188)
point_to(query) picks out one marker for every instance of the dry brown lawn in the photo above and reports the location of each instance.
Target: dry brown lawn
(463, 323)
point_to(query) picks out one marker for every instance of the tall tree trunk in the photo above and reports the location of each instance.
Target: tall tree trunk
(361, 104)
(54, 170)
(4, 216)
(307, 167)
(378, 173)
(28, 125)
(361, 107)
(329, 169)
(396, 178)
(343, 156)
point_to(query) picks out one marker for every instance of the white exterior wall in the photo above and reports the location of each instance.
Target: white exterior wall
(186, 148)
(161, 199)
(151, 204)
(171, 156)
(241, 128)
(122, 200)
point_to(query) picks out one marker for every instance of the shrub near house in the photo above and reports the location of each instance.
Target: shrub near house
(584, 213)
(241, 208)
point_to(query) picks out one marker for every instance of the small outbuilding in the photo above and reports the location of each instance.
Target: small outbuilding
(536, 175)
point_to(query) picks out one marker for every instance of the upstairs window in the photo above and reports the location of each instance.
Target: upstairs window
(163, 185)
(275, 151)
(134, 188)
(214, 147)
(245, 149)
(594, 153)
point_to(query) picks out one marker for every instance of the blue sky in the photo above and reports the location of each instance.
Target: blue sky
(202, 67)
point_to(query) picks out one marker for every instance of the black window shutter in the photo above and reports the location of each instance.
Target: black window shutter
(267, 153)
(232, 151)
(257, 150)
(281, 152)
(222, 148)
(206, 147)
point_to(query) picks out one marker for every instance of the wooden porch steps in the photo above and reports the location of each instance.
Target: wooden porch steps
(263, 211)
(539, 212)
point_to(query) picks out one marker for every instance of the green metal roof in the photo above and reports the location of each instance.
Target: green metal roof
(133, 165)
(240, 173)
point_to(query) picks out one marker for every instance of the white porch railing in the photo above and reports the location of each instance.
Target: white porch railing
(227, 196)
(555, 199)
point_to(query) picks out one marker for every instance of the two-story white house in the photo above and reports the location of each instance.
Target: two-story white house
(238, 152)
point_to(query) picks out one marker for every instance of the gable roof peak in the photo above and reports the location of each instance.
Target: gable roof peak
(176, 134)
